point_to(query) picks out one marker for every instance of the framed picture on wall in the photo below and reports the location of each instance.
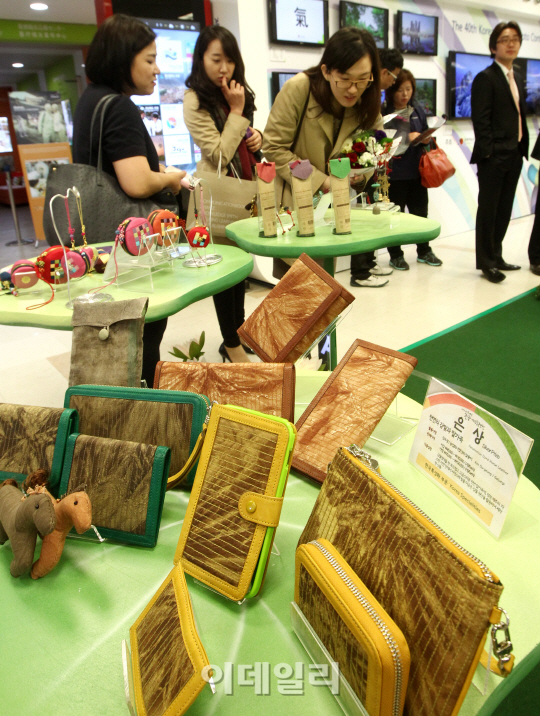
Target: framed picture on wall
(416, 34)
(277, 80)
(367, 17)
(426, 96)
(298, 23)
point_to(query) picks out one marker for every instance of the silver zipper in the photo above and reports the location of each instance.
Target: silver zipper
(385, 631)
(366, 459)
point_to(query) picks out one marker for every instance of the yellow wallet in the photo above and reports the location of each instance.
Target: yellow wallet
(165, 672)
(236, 500)
(369, 648)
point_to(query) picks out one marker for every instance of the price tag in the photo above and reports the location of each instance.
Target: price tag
(471, 454)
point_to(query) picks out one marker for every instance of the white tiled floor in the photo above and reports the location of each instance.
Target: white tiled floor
(414, 305)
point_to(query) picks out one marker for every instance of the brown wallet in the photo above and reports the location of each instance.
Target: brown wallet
(295, 313)
(265, 387)
(349, 405)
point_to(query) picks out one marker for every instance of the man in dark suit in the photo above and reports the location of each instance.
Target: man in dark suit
(501, 142)
(534, 241)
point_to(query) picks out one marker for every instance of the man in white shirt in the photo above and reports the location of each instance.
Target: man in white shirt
(501, 142)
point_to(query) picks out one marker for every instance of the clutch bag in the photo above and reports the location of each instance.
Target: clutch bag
(236, 500)
(442, 598)
(163, 673)
(33, 438)
(152, 417)
(125, 482)
(359, 635)
(295, 312)
(266, 387)
(349, 405)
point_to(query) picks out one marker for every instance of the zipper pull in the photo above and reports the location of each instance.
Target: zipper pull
(502, 650)
(209, 410)
(364, 457)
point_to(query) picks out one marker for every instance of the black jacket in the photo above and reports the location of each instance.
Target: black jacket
(494, 115)
(405, 167)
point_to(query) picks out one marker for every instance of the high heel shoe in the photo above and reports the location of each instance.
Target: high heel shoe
(223, 353)
(248, 350)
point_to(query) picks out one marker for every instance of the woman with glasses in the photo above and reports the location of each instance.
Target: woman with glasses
(406, 188)
(318, 109)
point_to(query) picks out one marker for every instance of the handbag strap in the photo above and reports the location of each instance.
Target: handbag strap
(101, 106)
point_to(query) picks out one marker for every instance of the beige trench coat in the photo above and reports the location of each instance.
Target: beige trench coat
(315, 141)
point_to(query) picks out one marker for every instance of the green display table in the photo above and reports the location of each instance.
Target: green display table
(174, 289)
(61, 636)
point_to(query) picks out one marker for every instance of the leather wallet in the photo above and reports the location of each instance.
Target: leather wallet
(125, 482)
(153, 417)
(33, 438)
(442, 597)
(349, 405)
(164, 673)
(235, 504)
(266, 387)
(359, 635)
(295, 313)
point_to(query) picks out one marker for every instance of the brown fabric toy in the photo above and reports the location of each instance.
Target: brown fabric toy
(73, 510)
(21, 518)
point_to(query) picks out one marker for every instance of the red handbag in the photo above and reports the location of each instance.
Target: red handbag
(435, 167)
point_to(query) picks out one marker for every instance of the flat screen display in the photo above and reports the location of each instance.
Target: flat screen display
(278, 80)
(462, 69)
(532, 87)
(298, 23)
(163, 111)
(366, 17)
(5, 137)
(416, 34)
(426, 96)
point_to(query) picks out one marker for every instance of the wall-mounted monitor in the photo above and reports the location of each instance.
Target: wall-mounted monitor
(5, 137)
(298, 23)
(163, 111)
(530, 75)
(416, 34)
(461, 70)
(277, 81)
(367, 17)
(426, 96)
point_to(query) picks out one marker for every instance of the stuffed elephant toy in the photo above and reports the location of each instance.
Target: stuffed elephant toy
(21, 519)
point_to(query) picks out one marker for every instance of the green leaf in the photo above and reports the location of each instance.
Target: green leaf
(201, 340)
(177, 353)
(193, 349)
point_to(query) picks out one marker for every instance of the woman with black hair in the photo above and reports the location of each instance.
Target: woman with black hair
(218, 112)
(317, 110)
(122, 61)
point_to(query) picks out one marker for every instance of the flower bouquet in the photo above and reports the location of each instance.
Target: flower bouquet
(369, 149)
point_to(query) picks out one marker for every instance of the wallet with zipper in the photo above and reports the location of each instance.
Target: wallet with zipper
(125, 482)
(33, 438)
(443, 598)
(349, 405)
(236, 500)
(173, 419)
(266, 387)
(369, 648)
(163, 675)
(295, 312)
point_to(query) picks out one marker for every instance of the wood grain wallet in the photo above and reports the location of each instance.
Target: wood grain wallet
(359, 635)
(266, 387)
(168, 664)
(443, 598)
(295, 312)
(349, 405)
(236, 500)
(126, 484)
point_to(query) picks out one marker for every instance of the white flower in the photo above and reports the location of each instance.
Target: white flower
(366, 160)
(347, 146)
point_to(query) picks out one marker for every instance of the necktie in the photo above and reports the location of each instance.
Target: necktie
(515, 92)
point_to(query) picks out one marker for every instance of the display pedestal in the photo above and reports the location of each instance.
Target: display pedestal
(339, 686)
(135, 273)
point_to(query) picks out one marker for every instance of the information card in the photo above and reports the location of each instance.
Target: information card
(470, 453)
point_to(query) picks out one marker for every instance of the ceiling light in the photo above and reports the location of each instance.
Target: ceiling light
(17, 64)
(38, 6)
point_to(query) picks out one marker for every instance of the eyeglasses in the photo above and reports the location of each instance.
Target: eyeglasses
(347, 84)
(509, 40)
(392, 75)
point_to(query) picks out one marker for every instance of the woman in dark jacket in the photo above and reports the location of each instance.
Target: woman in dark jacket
(406, 188)
(122, 60)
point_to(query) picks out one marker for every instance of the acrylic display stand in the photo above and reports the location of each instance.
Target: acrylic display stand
(135, 273)
(175, 244)
(317, 652)
(394, 425)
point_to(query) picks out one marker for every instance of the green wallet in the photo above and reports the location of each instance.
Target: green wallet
(33, 438)
(172, 418)
(126, 483)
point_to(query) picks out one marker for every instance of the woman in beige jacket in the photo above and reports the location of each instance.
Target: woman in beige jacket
(218, 112)
(318, 109)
